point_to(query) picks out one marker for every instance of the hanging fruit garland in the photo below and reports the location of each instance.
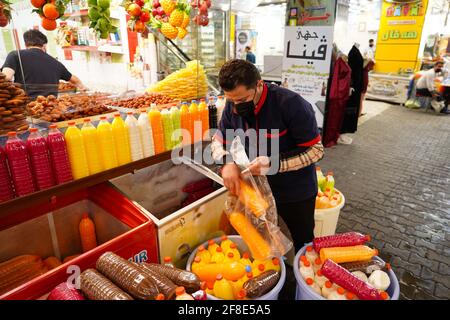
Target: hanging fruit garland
(100, 16)
(202, 7)
(50, 11)
(5, 13)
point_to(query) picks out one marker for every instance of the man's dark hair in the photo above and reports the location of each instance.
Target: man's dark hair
(34, 38)
(248, 48)
(370, 40)
(238, 72)
(438, 63)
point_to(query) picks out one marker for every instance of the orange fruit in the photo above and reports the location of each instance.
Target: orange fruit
(38, 3)
(50, 11)
(48, 24)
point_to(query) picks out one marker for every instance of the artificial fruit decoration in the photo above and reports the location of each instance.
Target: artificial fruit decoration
(5, 12)
(134, 10)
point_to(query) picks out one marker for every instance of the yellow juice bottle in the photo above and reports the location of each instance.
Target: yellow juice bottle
(186, 123)
(90, 140)
(121, 140)
(76, 151)
(175, 115)
(106, 144)
(156, 124)
(168, 128)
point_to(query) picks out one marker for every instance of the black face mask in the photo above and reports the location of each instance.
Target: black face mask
(438, 70)
(245, 109)
(371, 45)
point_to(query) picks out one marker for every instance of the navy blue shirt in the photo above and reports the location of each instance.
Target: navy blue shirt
(293, 116)
(250, 57)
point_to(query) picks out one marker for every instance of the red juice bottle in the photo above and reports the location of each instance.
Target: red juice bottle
(58, 155)
(40, 160)
(20, 165)
(6, 189)
(347, 239)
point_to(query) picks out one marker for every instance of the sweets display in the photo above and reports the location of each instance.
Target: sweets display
(143, 101)
(13, 102)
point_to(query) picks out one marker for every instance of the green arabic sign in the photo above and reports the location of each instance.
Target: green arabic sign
(395, 34)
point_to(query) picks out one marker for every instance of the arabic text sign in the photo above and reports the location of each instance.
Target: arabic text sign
(306, 63)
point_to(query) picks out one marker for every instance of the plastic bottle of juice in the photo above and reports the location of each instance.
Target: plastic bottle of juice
(40, 160)
(6, 190)
(317, 265)
(19, 165)
(220, 104)
(306, 270)
(168, 262)
(195, 121)
(134, 137)
(233, 249)
(203, 254)
(203, 114)
(258, 269)
(146, 135)
(208, 272)
(339, 294)
(168, 129)
(225, 243)
(320, 179)
(76, 151)
(313, 286)
(218, 256)
(87, 233)
(186, 123)
(311, 254)
(106, 144)
(273, 264)
(212, 111)
(212, 246)
(121, 140)
(245, 260)
(328, 288)
(90, 140)
(329, 182)
(229, 257)
(59, 155)
(175, 115)
(222, 288)
(157, 129)
(182, 295)
(320, 279)
(233, 270)
(196, 264)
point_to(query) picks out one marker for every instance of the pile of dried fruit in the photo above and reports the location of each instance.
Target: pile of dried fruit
(142, 101)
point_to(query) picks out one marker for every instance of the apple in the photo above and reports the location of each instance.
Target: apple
(208, 3)
(145, 16)
(134, 10)
(156, 4)
(203, 9)
(160, 11)
(140, 3)
(154, 12)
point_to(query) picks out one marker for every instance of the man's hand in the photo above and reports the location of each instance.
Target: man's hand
(230, 175)
(259, 167)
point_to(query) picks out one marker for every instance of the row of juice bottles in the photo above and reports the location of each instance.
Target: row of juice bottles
(224, 270)
(40, 162)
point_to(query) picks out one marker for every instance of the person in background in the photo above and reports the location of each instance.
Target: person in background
(250, 56)
(368, 66)
(41, 72)
(425, 85)
(369, 53)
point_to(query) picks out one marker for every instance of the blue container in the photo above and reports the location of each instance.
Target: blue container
(271, 295)
(304, 292)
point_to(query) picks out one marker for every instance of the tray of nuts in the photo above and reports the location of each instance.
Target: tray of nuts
(140, 101)
(13, 100)
(47, 110)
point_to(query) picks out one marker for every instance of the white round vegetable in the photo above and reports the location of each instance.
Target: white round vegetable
(379, 280)
(361, 275)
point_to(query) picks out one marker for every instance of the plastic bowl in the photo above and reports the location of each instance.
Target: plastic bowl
(326, 219)
(303, 292)
(271, 295)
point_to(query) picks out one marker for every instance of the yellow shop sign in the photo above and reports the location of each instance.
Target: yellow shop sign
(397, 34)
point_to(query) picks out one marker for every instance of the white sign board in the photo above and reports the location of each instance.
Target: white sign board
(306, 64)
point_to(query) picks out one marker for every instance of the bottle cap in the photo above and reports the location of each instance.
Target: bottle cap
(309, 248)
(242, 294)
(202, 100)
(103, 118)
(230, 254)
(327, 190)
(376, 252)
(85, 216)
(211, 98)
(330, 173)
(318, 261)
(223, 238)
(211, 242)
(160, 296)
(248, 269)
(201, 248)
(180, 291)
(219, 249)
(276, 261)
(384, 295)
(328, 284)
(306, 263)
(219, 276)
(261, 267)
(220, 97)
(319, 273)
(388, 266)
(246, 255)
(233, 246)
(196, 259)
(143, 111)
(116, 114)
(53, 126)
(71, 123)
(167, 259)
(368, 237)
(203, 285)
(340, 290)
(250, 275)
(350, 296)
(303, 258)
(318, 169)
(33, 129)
(309, 281)
(130, 113)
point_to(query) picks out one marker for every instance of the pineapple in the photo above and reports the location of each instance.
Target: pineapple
(186, 20)
(169, 31)
(182, 33)
(177, 17)
(168, 6)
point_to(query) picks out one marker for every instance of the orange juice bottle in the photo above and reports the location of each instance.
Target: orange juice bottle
(222, 288)
(204, 117)
(204, 254)
(233, 249)
(225, 243)
(233, 270)
(229, 257)
(87, 233)
(212, 246)
(273, 264)
(196, 264)
(186, 123)
(90, 140)
(157, 129)
(218, 256)
(245, 260)
(76, 151)
(195, 121)
(106, 144)
(121, 140)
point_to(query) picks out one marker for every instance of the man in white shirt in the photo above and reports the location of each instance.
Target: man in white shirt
(425, 84)
(369, 53)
